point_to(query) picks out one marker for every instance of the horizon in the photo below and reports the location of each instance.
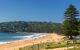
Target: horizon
(31, 21)
(35, 10)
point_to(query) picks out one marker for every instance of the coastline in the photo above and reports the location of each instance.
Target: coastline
(23, 38)
(23, 43)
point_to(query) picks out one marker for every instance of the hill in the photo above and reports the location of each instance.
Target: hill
(21, 26)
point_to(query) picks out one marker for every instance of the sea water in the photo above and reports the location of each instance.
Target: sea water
(9, 37)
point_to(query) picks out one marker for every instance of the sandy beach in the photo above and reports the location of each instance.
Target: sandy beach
(18, 44)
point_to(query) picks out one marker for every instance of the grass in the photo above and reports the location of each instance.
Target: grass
(77, 46)
(34, 47)
(42, 46)
(75, 49)
(52, 45)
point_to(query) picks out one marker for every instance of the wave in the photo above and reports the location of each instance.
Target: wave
(27, 37)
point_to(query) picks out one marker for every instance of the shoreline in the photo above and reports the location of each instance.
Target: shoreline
(33, 36)
(23, 43)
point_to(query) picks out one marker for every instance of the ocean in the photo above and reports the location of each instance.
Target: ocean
(10, 37)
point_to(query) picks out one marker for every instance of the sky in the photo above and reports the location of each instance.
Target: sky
(35, 10)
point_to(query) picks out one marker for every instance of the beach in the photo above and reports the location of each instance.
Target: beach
(50, 37)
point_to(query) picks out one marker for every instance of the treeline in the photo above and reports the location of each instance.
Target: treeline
(21, 26)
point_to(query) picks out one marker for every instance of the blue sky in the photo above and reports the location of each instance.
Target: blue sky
(35, 10)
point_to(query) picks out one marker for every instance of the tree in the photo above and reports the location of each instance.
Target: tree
(70, 24)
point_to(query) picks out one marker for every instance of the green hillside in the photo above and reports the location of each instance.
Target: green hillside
(21, 26)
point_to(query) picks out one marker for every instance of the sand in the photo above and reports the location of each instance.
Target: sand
(18, 44)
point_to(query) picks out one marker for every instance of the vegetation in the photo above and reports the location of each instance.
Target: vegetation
(21, 26)
(43, 46)
(75, 49)
(77, 46)
(52, 45)
(34, 47)
(71, 23)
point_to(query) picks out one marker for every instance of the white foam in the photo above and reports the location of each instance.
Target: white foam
(25, 38)
(4, 42)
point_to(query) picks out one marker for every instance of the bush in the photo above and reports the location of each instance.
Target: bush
(52, 45)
